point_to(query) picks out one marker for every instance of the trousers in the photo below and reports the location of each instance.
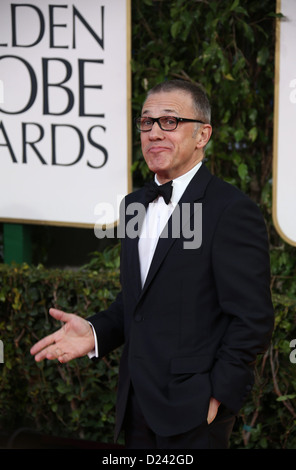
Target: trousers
(138, 435)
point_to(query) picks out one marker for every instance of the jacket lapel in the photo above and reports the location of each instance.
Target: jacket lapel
(131, 245)
(194, 192)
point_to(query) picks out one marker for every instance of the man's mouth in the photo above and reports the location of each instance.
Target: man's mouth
(157, 149)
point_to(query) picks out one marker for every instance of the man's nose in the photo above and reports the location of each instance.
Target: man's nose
(156, 132)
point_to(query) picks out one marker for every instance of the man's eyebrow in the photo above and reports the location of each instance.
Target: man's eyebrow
(165, 111)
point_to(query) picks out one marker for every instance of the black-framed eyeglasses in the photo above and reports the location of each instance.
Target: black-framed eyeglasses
(166, 123)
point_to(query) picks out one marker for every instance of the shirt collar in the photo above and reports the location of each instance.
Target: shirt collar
(181, 183)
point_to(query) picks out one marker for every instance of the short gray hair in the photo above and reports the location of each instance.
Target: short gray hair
(199, 97)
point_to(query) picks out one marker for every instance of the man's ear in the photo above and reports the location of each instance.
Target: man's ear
(203, 135)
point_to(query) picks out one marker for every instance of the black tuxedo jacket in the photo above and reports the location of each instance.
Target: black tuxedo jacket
(195, 328)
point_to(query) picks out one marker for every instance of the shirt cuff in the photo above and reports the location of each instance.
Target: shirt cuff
(95, 351)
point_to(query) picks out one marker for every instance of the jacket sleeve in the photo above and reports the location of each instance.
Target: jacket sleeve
(240, 260)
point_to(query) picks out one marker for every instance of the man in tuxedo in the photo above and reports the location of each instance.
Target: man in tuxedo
(195, 306)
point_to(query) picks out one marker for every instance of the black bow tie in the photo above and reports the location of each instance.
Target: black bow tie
(153, 190)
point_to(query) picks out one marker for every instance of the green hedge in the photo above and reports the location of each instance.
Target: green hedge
(76, 400)
(71, 400)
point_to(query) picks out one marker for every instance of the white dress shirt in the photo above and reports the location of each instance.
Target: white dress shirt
(157, 215)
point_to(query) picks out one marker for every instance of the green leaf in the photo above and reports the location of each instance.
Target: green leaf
(175, 28)
(242, 171)
(263, 55)
(234, 5)
(239, 135)
(253, 134)
(228, 76)
(286, 397)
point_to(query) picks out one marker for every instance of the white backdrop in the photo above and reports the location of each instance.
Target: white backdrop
(64, 109)
(284, 168)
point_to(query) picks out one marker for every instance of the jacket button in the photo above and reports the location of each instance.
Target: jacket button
(138, 317)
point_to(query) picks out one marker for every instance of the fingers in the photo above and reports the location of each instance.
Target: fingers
(45, 348)
(42, 351)
(213, 409)
(60, 355)
(48, 349)
(64, 357)
(60, 315)
(74, 339)
(42, 344)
